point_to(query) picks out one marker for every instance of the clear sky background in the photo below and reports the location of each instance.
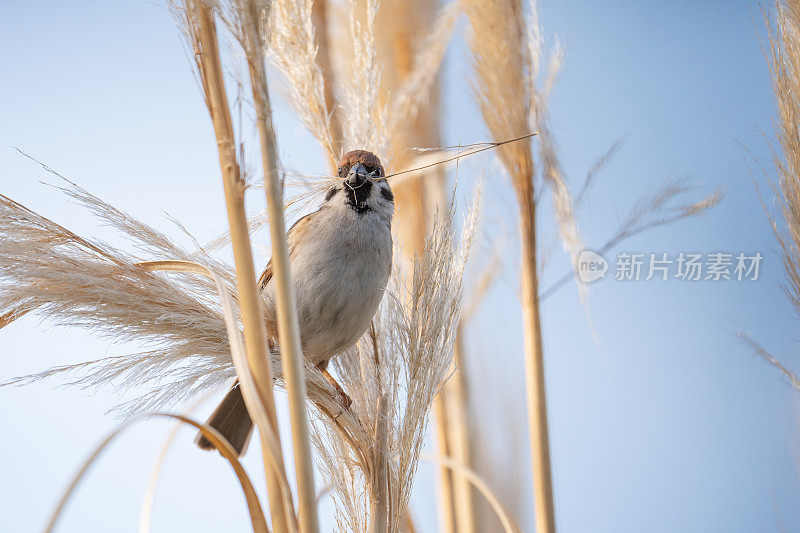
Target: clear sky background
(673, 426)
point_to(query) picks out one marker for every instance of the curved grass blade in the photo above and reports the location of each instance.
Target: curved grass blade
(502, 513)
(254, 505)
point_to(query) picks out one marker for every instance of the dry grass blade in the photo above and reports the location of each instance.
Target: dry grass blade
(257, 519)
(146, 513)
(466, 153)
(505, 517)
(238, 353)
(666, 206)
(790, 376)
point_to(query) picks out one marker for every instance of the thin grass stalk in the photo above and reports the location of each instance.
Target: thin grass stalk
(509, 526)
(444, 478)
(379, 500)
(288, 325)
(458, 438)
(505, 54)
(257, 518)
(534, 368)
(252, 316)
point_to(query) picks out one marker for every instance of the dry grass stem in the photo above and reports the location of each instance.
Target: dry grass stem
(457, 403)
(201, 33)
(250, 21)
(322, 33)
(506, 60)
(509, 526)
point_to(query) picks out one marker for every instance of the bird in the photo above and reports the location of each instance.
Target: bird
(340, 259)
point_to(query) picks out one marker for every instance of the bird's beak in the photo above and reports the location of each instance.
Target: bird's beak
(357, 175)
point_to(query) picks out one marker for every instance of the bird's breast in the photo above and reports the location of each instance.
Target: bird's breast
(340, 271)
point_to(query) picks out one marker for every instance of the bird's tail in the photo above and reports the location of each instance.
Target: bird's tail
(231, 420)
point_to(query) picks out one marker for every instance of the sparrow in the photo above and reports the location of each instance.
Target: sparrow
(340, 258)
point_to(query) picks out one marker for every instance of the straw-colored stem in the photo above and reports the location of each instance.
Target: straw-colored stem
(509, 526)
(534, 365)
(252, 317)
(322, 35)
(444, 480)
(379, 498)
(286, 305)
(458, 440)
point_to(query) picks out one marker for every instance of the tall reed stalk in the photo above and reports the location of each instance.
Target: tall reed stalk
(253, 12)
(457, 426)
(234, 185)
(322, 33)
(503, 64)
(534, 367)
(406, 25)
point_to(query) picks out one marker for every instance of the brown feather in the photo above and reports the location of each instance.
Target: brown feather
(294, 235)
(231, 420)
(265, 276)
(367, 159)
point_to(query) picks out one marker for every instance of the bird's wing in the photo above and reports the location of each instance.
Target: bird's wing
(293, 236)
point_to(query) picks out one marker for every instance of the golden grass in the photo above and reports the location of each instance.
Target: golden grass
(370, 452)
(783, 55)
(200, 29)
(250, 16)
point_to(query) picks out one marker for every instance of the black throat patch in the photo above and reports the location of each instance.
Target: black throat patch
(357, 196)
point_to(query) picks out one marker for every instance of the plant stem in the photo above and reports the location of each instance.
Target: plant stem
(534, 362)
(322, 35)
(379, 500)
(444, 481)
(288, 325)
(252, 317)
(458, 439)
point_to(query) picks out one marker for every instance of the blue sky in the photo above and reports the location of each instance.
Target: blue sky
(673, 425)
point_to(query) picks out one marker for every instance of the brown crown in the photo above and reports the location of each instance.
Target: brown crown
(368, 159)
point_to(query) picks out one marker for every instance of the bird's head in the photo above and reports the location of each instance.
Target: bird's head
(363, 186)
